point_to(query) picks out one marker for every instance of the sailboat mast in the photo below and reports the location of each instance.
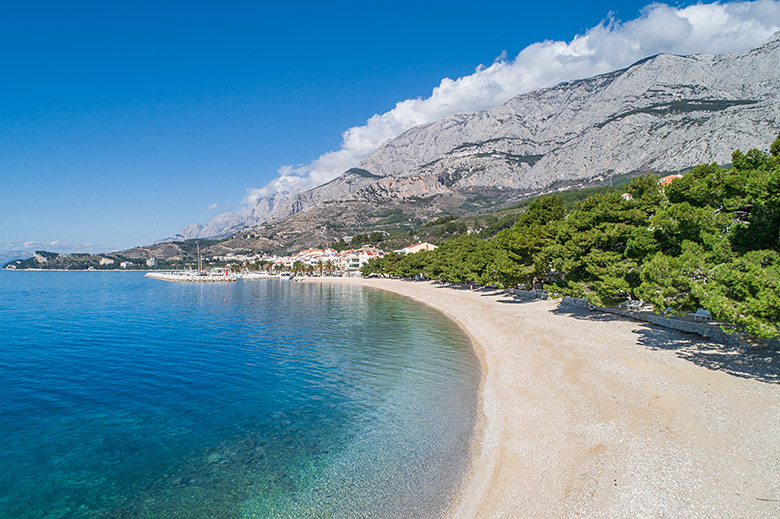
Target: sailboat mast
(200, 265)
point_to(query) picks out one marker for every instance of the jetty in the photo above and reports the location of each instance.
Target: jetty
(192, 276)
(214, 275)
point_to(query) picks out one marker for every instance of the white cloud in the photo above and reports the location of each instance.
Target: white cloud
(702, 28)
(211, 207)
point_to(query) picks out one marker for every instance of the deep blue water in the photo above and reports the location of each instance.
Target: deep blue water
(123, 396)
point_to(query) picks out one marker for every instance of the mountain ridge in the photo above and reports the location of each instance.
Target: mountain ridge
(664, 113)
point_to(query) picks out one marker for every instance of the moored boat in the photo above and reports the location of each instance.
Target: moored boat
(215, 275)
(192, 276)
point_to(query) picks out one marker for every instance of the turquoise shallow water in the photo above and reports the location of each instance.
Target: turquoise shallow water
(124, 396)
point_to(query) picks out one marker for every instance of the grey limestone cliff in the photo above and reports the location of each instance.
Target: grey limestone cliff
(664, 113)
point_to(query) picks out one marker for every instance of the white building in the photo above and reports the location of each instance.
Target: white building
(126, 264)
(329, 259)
(151, 262)
(312, 257)
(106, 261)
(351, 260)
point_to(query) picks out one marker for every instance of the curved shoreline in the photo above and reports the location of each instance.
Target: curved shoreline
(589, 415)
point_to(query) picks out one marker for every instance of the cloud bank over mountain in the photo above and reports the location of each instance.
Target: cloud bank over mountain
(703, 28)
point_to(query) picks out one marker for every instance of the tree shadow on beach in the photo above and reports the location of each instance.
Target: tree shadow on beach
(762, 364)
(587, 315)
(479, 289)
(454, 286)
(489, 291)
(514, 299)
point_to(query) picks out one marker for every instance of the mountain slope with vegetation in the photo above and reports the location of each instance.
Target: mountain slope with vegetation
(710, 240)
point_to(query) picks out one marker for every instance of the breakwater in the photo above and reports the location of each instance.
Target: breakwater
(191, 277)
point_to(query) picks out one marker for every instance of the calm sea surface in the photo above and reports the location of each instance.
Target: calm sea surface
(123, 396)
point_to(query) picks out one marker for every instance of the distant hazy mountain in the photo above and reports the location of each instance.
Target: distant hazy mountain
(664, 113)
(191, 231)
(7, 256)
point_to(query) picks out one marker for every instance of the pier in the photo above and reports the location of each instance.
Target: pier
(188, 276)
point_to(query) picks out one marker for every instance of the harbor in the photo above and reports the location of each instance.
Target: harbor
(214, 275)
(191, 276)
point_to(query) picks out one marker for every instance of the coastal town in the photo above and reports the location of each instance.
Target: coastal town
(316, 261)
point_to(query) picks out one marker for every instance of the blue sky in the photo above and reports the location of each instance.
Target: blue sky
(122, 123)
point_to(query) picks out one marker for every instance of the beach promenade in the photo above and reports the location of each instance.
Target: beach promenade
(590, 415)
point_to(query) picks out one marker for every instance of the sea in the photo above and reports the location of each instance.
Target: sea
(124, 396)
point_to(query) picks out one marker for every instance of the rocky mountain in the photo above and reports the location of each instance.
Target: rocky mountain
(191, 231)
(664, 113)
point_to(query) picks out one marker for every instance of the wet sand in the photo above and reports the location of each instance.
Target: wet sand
(590, 415)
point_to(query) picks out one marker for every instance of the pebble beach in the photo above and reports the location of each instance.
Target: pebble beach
(590, 415)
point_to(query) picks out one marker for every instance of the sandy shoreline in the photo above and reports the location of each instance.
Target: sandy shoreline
(593, 416)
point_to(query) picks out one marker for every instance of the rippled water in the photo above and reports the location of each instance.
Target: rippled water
(124, 396)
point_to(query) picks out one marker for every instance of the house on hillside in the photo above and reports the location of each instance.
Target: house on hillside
(417, 247)
(668, 179)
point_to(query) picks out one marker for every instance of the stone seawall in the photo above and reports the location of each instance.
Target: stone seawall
(528, 295)
(709, 329)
